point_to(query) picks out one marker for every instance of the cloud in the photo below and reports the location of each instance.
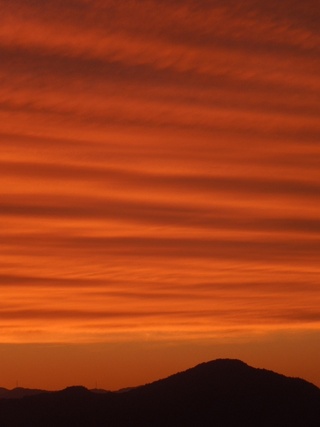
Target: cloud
(161, 214)
(159, 168)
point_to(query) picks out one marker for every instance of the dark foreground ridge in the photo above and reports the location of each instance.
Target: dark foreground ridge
(219, 393)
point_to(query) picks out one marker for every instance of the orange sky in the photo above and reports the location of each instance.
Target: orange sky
(160, 188)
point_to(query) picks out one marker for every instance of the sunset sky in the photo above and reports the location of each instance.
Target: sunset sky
(160, 188)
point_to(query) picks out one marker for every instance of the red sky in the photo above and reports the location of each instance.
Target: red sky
(160, 188)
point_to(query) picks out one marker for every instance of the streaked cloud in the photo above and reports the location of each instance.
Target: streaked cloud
(159, 169)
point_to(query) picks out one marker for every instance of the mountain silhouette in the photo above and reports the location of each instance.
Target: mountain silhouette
(19, 392)
(220, 393)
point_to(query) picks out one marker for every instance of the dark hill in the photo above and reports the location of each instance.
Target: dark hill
(219, 393)
(18, 392)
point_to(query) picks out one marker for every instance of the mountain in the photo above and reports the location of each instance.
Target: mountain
(18, 392)
(219, 393)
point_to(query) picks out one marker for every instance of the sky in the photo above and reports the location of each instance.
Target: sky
(159, 188)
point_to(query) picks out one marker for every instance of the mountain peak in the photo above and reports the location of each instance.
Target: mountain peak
(223, 392)
(77, 390)
(225, 363)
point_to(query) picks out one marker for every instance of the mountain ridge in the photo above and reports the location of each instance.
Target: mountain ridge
(223, 392)
(19, 392)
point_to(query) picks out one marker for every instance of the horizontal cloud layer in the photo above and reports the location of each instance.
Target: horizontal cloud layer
(159, 169)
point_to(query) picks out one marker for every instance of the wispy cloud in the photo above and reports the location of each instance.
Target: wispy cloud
(159, 168)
